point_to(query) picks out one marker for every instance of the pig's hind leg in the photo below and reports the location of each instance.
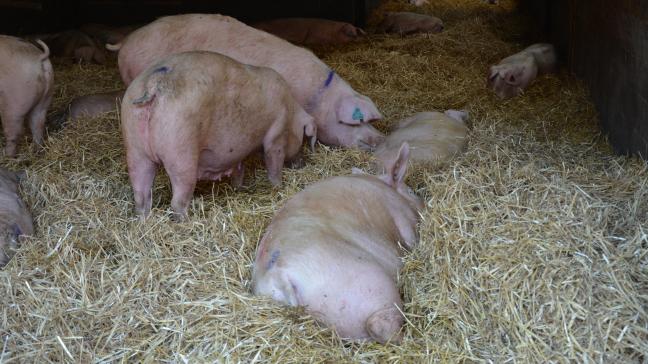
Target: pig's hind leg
(142, 173)
(37, 117)
(12, 124)
(183, 173)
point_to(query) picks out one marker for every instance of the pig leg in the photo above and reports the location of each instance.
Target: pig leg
(274, 161)
(37, 119)
(12, 125)
(237, 176)
(142, 173)
(183, 173)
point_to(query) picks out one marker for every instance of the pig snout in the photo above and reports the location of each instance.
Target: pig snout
(368, 137)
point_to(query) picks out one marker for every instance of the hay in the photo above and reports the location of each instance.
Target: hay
(533, 244)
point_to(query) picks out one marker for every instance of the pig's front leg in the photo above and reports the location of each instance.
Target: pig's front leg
(237, 176)
(274, 161)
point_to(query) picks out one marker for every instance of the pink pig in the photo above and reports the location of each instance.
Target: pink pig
(335, 249)
(200, 114)
(513, 74)
(342, 115)
(26, 83)
(405, 23)
(88, 106)
(311, 30)
(15, 219)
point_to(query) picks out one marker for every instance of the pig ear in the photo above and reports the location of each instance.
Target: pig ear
(397, 169)
(355, 110)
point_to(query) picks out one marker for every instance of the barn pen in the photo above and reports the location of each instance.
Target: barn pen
(533, 243)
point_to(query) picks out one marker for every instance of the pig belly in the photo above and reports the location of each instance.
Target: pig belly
(212, 166)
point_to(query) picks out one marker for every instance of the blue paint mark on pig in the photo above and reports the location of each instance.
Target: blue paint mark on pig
(357, 114)
(163, 69)
(273, 259)
(16, 230)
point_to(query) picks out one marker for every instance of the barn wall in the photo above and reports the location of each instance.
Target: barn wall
(28, 17)
(605, 43)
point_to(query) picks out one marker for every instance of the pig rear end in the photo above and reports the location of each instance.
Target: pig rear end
(26, 91)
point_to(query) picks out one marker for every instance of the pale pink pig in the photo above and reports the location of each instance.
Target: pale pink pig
(418, 2)
(86, 106)
(26, 84)
(405, 23)
(311, 31)
(335, 248)
(432, 136)
(342, 115)
(15, 219)
(514, 74)
(200, 114)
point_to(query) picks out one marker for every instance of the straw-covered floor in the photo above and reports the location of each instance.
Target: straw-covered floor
(533, 244)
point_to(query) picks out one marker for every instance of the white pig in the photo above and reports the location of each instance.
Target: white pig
(513, 74)
(335, 248)
(342, 115)
(200, 114)
(15, 219)
(405, 23)
(26, 85)
(432, 136)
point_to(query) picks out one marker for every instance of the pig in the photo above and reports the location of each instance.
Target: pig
(405, 23)
(88, 106)
(514, 74)
(342, 115)
(107, 34)
(311, 31)
(26, 85)
(432, 136)
(15, 219)
(334, 248)
(418, 2)
(200, 114)
(75, 45)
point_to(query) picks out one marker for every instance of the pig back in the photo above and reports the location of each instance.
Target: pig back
(210, 100)
(225, 35)
(432, 136)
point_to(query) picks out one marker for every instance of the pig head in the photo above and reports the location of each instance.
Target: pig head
(343, 116)
(513, 74)
(15, 219)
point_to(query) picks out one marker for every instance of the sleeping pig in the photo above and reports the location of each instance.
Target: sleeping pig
(26, 84)
(107, 34)
(75, 45)
(200, 114)
(432, 136)
(335, 248)
(342, 115)
(88, 106)
(405, 23)
(311, 30)
(15, 219)
(513, 74)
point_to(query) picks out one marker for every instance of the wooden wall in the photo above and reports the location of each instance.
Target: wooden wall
(28, 17)
(605, 43)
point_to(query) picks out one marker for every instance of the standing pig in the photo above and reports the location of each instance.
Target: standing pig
(342, 115)
(26, 83)
(88, 106)
(513, 74)
(405, 23)
(311, 31)
(432, 136)
(15, 219)
(200, 114)
(335, 249)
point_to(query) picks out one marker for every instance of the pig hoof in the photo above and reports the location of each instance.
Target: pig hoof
(296, 163)
(176, 217)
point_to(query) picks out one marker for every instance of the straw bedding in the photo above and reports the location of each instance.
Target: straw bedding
(533, 244)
